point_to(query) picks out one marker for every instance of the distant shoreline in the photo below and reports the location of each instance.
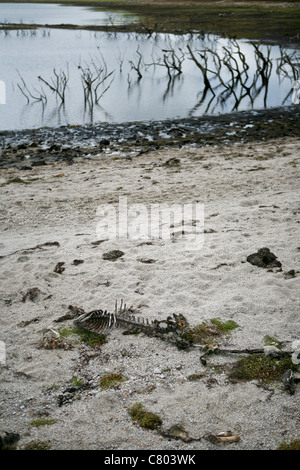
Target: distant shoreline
(266, 21)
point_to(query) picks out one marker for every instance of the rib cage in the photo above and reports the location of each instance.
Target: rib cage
(100, 321)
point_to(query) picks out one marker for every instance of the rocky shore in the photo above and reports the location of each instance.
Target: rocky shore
(36, 147)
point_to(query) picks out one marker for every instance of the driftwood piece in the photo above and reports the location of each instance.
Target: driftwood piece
(27, 251)
(216, 350)
(222, 437)
(228, 438)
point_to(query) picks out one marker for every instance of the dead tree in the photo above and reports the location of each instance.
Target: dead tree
(91, 81)
(58, 83)
(137, 66)
(204, 70)
(34, 95)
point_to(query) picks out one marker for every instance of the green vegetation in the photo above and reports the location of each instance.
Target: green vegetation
(259, 367)
(93, 340)
(144, 418)
(272, 341)
(42, 422)
(293, 445)
(208, 332)
(195, 377)
(17, 180)
(111, 380)
(77, 382)
(225, 327)
(37, 445)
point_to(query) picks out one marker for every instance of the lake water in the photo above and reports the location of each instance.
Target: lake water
(156, 95)
(48, 13)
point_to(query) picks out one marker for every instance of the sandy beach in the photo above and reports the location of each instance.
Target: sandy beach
(250, 195)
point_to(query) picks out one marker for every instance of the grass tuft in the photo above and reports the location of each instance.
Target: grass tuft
(146, 419)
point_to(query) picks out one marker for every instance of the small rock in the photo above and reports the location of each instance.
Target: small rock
(39, 163)
(271, 351)
(296, 353)
(8, 439)
(147, 260)
(59, 269)
(52, 340)
(177, 432)
(32, 294)
(288, 381)
(112, 255)
(104, 142)
(290, 274)
(26, 168)
(173, 162)
(264, 259)
(296, 377)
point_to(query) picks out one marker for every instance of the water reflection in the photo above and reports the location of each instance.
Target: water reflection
(48, 13)
(71, 77)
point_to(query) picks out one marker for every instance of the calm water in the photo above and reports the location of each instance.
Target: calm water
(32, 13)
(27, 55)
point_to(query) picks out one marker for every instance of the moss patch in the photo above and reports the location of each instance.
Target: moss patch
(146, 419)
(259, 367)
(42, 422)
(111, 380)
(195, 377)
(37, 445)
(90, 339)
(293, 445)
(207, 333)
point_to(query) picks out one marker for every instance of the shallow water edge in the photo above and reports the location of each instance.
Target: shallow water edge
(25, 149)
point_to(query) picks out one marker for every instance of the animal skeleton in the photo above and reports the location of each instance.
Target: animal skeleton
(172, 329)
(100, 322)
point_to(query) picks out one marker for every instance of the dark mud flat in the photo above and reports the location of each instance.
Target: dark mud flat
(30, 148)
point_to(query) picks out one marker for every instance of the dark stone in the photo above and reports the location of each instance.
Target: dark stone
(25, 168)
(59, 269)
(54, 148)
(112, 255)
(32, 294)
(176, 432)
(264, 259)
(104, 142)
(172, 162)
(288, 381)
(39, 163)
(290, 274)
(8, 439)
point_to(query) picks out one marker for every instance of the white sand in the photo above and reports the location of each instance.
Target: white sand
(251, 200)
